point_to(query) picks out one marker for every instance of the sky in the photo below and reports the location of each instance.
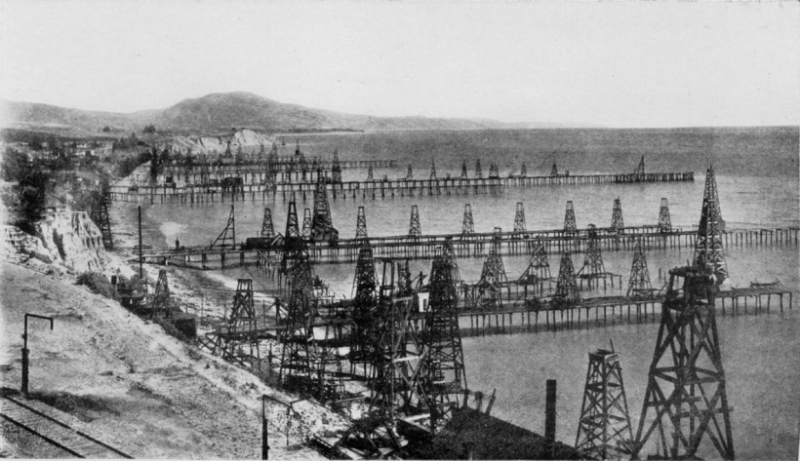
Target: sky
(614, 63)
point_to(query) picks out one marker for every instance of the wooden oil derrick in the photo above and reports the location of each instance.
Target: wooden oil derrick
(467, 226)
(369, 174)
(365, 307)
(464, 170)
(410, 174)
(593, 268)
(708, 251)
(396, 360)
(414, 227)
(204, 170)
(523, 172)
(566, 294)
(228, 235)
(100, 215)
(639, 283)
(664, 220)
(306, 233)
(295, 250)
(554, 170)
(160, 302)
(478, 173)
(519, 218)
(604, 428)
(237, 340)
(538, 269)
(445, 374)
(321, 222)
(336, 169)
(638, 173)
(433, 169)
(686, 399)
(298, 369)
(570, 226)
(267, 229)
(361, 226)
(270, 171)
(404, 284)
(617, 223)
(493, 279)
(494, 171)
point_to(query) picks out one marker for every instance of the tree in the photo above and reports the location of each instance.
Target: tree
(149, 129)
(106, 129)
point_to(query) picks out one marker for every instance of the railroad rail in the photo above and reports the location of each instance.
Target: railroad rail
(253, 187)
(15, 410)
(469, 245)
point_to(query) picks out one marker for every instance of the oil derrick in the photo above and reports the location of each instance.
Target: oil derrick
(554, 170)
(494, 171)
(414, 227)
(239, 160)
(306, 224)
(708, 247)
(270, 172)
(539, 267)
(433, 169)
(160, 303)
(410, 174)
(321, 222)
(228, 235)
(566, 293)
(523, 172)
(478, 173)
(617, 223)
(493, 278)
(298, 359)
(361, 226)
(100, 215)
(445, 374)
(639, 283)
(593, 267)
(664, 220)
(397, 359)
(468, 226)
(638, 174)
(204, 173)
(464, 170)
(364, 308)
(267, 230)
(238, 341)
(604, 429)
(570, 227)
(369, 174)
(336, 169)
(686, 399)
(404, 286)
(519, 218)
(294, 247)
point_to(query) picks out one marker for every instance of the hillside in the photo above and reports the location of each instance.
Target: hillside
(216, 113)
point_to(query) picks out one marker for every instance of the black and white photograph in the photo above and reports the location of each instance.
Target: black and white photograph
(400, 229)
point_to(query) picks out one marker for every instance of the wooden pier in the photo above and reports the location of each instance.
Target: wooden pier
(470, 245)
(254, 188)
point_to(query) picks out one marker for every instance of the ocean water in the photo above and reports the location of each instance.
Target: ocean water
(757, 179)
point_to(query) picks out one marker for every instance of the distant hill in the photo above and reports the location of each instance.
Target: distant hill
(217, 113)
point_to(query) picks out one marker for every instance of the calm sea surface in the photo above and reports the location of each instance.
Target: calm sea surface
(757, 178)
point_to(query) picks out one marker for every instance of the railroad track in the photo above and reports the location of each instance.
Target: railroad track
(78, 444)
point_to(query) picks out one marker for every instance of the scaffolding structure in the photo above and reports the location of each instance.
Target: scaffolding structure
(686, 399)
(594, 269)
(299, 369)
(468, 225)
(306, 232)
(604, 429)
(708, 251)
(566, 294)
(237, 340)
(664, 220)
(295, 250)
(414, 227)
(538, 270)
(570, 226)
(519, 218)
(617, 223)
(365, 286)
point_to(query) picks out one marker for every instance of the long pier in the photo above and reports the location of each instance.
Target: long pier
(468, 245)
(253, 187)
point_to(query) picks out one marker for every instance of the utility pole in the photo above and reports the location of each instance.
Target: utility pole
(141, 269)
(26, 352)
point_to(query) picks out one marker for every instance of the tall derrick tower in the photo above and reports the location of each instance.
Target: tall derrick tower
(238, 342)
(336, 169)
(593, 267)
(686, 399)
(664, 220)
(566, 293)
(361, 226)
(299, 356)
(464, 170)
(519, 218)
(267, 229)
(570, 226)
(306, 233)
(433, 169)
(639, 286)
(493, 278)
(617, 223)
(708, 251)
(364, 310)
(538, 268)
(478, 173)
(414, 227)
(467, 226)
(295, 250)
(228, 234)
(321, 221)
